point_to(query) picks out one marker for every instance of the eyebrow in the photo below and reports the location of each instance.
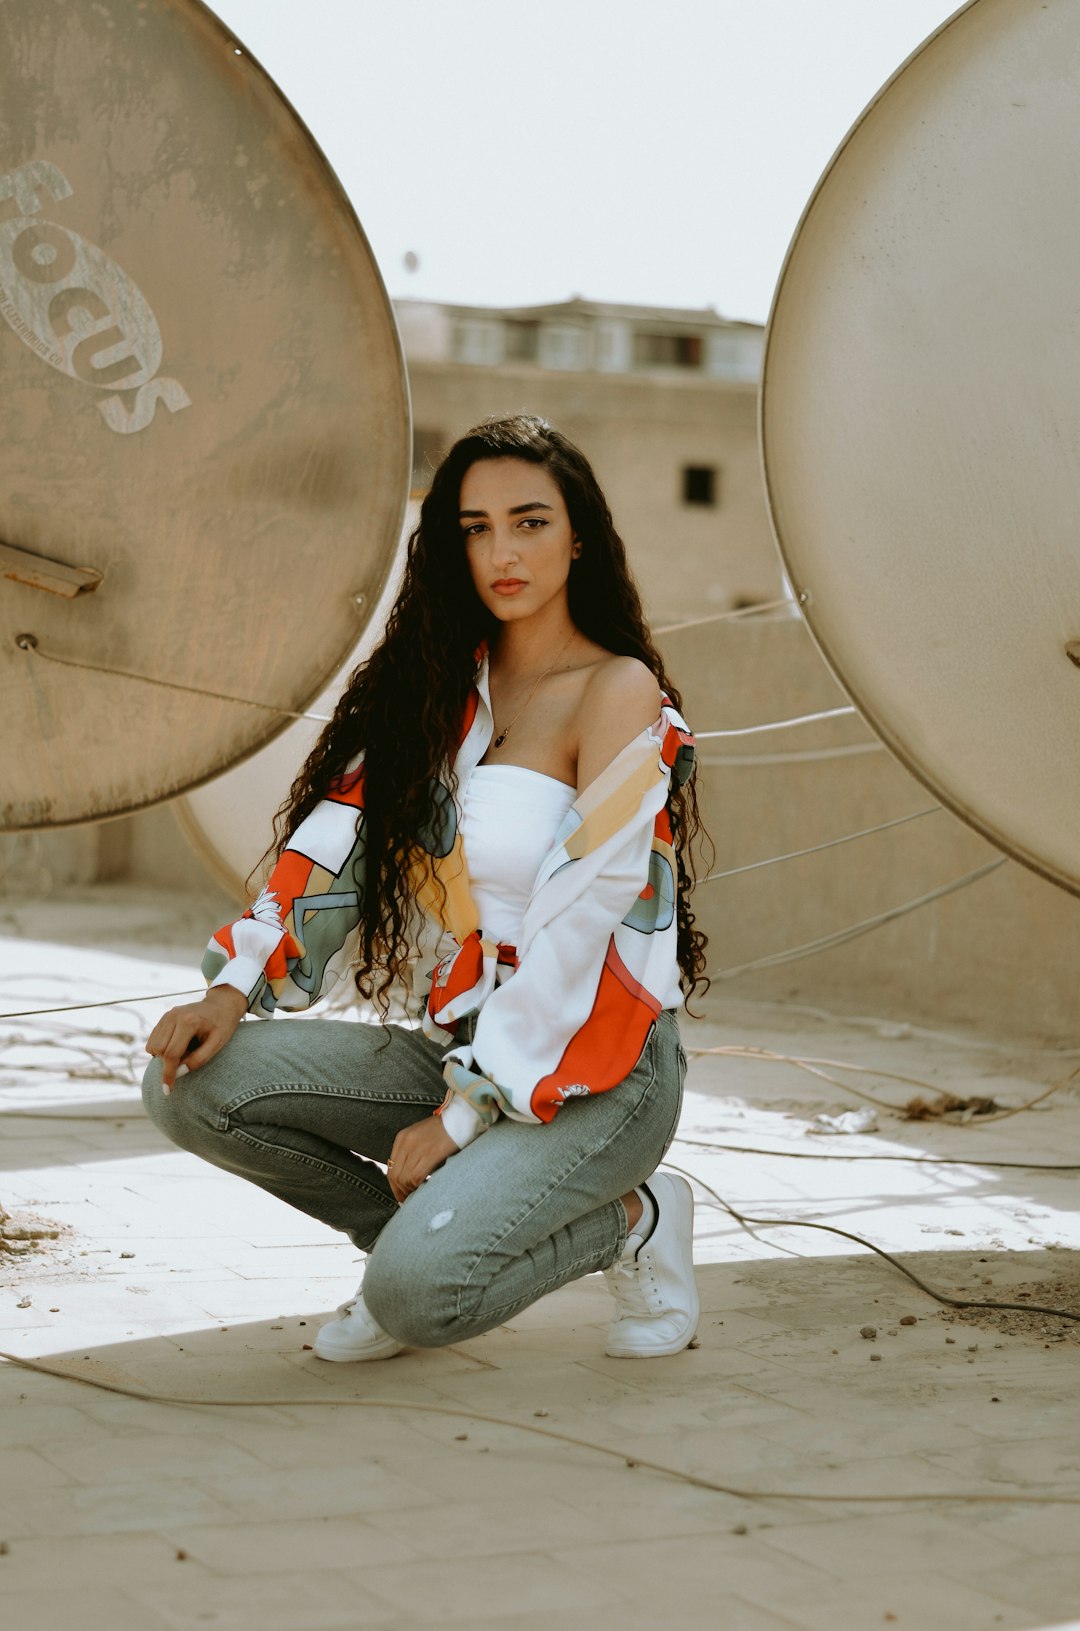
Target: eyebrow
(518, 509)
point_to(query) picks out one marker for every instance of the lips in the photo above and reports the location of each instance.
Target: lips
(508, 586)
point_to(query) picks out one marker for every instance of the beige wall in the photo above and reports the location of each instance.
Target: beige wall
(639, 433)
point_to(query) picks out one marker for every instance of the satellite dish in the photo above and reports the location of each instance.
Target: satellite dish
(204, 427)
(921, 422)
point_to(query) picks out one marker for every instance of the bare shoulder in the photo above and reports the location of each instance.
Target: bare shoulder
(623, 685)
(621, 698)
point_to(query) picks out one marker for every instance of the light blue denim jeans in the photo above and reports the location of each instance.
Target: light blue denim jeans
(306, 1109)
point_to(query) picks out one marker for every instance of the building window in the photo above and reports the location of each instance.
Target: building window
(562, 346)
(667, 350)
(522, 338)
(479, 342)
(428, 447)
(700, 484)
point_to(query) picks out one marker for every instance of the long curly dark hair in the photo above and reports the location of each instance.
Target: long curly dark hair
(404, 706)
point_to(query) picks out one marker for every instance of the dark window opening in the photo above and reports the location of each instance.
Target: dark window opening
(668, 350)
(522, 340)
(700, 484)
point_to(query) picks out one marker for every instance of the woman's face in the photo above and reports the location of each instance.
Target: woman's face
(518, 539)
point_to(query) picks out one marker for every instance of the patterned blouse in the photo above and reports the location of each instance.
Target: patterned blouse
(565, 1012)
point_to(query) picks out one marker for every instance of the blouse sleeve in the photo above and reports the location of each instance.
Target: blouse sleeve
(293, 943)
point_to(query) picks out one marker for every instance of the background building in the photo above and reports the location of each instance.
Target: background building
(664, 403)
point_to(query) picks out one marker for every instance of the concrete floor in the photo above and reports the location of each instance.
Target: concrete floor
(318, 1505)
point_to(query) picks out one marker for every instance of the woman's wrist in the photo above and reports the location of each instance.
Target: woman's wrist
(229, 998)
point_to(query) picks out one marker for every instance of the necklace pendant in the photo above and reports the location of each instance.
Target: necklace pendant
(499, 740)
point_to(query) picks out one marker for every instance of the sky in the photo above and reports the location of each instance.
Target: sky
(656, 152)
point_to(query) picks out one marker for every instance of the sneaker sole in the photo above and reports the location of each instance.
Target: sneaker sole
(380, 1350)
(675, 1347)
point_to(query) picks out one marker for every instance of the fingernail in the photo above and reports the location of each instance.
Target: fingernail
(181, 1070)
(166, 1089)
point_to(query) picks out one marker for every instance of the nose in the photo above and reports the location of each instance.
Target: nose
(504, 549)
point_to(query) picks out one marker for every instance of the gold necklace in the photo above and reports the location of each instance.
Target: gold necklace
(501, 738)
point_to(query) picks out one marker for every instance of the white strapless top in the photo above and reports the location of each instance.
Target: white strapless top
(509, 817)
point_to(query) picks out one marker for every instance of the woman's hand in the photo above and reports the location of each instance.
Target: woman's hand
(209, 1023)
(417, 1151)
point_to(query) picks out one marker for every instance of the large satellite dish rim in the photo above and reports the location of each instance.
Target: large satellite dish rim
(891, 740)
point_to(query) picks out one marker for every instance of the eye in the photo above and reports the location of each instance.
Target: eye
(533, 521)
(473, 530)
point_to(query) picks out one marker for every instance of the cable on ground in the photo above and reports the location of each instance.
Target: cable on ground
(835, 1155)
(750, 1224)
(550, 1433)
(811, 1067)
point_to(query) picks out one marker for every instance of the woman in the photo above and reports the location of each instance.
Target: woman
(504, 785)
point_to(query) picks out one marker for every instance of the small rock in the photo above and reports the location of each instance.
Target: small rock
(892, 1331)
(24, 1302)
(4, 1548)
(994, 1399)
(181, 1555)
(277, 1328)
(875, 1356)
(539, 1412)
(460, 1437)
(308, 1347)
(740, 1529)
(127, 1254)
(973, 1347)
(868, 1331)
(54, 1311)
(950, 1339)
(909, 1319)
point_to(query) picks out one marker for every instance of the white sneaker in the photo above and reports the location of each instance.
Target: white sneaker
(654, 1289)
(354, 1335)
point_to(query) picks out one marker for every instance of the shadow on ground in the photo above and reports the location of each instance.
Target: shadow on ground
(339, 1472)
